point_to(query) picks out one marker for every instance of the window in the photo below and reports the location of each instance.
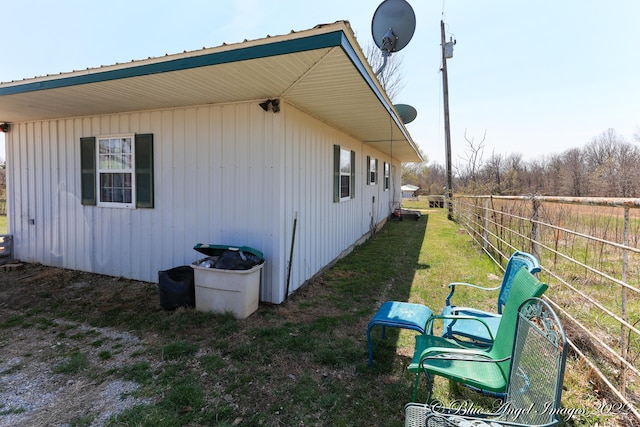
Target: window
(117, 171)
(344, 168)
(372, 171)
(345, 174)
(387, 175)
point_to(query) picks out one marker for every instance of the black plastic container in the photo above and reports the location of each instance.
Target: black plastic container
(176, 288)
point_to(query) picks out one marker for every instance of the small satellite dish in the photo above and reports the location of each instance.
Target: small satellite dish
(393, 25)
(406, 112)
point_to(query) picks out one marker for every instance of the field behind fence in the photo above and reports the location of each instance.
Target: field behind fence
(589, 250)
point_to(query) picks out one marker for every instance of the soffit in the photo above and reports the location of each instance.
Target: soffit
(321, 71)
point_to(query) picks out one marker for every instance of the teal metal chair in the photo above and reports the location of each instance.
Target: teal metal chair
(535, 378)
(479, 327)
(485, 369)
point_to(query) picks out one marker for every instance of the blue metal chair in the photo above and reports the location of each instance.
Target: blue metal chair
(399, 314)
(477, 326)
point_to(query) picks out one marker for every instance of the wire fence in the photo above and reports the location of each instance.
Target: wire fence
(589, 250)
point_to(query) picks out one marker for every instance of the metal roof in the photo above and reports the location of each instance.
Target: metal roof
(409, 187)
(321, 71)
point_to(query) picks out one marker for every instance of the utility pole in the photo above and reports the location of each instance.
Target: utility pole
(447, 133)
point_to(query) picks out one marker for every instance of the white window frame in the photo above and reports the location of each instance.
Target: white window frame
(387, 176)
(372, 168)
(345, 172)
(131, 170)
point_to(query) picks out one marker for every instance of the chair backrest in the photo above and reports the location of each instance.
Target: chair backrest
(538, 362)
(523, 286)
(516, 262)
(534, 390)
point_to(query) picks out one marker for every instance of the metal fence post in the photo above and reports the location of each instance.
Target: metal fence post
(485, 230)
(535, 228)
(623, 303)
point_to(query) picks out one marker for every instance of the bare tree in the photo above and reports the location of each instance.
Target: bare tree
(391, 77)
(469, 171)
(628, 175)
(493, 171)
(607, 166)
(435, 179)
(601, 155)
(412, 173)
(575, 172)
(513, 174)
(536, 174)
(553, 174)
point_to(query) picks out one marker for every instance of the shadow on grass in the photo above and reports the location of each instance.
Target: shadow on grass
(383, 269)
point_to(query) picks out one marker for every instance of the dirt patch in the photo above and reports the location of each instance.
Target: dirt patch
(35, 389)
(51, 319)
(39, 384)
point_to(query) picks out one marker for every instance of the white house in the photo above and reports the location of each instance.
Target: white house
(122, 169)
(409, 191)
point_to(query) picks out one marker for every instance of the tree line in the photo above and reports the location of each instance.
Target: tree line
(607, 166)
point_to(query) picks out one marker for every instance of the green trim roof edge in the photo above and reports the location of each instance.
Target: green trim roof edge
(351, 53)
(318, 41)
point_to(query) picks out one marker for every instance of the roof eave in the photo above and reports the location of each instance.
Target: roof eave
(42, 98)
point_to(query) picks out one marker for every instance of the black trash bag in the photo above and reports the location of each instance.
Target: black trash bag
(176, 288)
(237, 260)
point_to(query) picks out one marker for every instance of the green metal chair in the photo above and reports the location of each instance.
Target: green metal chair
(535, 379)
(481, 330)
(468, 365)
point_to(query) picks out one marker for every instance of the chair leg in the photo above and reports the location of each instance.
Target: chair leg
(430, 381)
(416, 383)
(370, 345)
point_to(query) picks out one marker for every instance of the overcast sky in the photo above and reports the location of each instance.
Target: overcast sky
(539, 77)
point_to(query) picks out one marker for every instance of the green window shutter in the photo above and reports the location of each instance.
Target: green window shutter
(368, 169)
(353, 174)
(88, 170)
(144, 170)
(336, 173)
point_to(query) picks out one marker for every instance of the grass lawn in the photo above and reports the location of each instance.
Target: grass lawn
(3, 224)
(303, 362)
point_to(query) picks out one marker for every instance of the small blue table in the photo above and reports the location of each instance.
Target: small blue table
(397, 314)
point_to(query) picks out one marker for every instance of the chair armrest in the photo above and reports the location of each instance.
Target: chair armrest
(474, 312)
(471, 285)
(429, 326)
(448, 353)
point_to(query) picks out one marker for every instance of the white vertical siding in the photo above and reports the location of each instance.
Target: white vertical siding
(224, 174)
(324, 229)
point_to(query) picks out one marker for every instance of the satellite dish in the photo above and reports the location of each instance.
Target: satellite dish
(406, 112)
(393, 25)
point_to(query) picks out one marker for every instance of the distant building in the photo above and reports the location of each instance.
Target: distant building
(409, 191)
